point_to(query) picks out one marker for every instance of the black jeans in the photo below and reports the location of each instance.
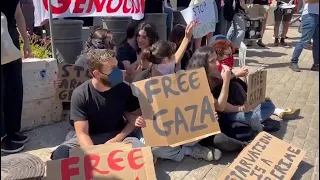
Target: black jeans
(223, 143)
(11, 93)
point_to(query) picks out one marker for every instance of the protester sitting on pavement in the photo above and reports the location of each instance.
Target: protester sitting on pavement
(310, 30)
(145, 36)
(240, 113)
(161, 53)
(99, 104)
(176, 36)
(206, 57)
(127, 51)
(98, 39)
(224, 51)
(163, 58)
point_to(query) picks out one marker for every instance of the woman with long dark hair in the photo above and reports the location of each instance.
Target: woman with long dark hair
(162, 58)
(233, 113)
(127, 51)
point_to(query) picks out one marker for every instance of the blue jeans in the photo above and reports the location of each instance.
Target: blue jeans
(255, 117)
(237, 30)
(169, 13)
(310, 30)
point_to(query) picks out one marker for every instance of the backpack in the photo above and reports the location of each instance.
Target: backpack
(228, 10)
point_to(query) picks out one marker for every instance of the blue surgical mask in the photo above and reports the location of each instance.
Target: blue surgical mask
(165, 69)
(115, 77)
(112, 79)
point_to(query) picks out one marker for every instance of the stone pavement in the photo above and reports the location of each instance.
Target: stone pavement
(284, 87)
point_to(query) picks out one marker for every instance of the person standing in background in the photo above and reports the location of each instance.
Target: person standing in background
(168, 9)
(310, 30)
(263, 7)
(12, 80)
(237, 30)
(281, 16)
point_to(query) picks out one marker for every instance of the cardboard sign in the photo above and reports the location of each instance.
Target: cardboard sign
(257, 86)
(242, 55)
(203, 15)
(109, 161)
(266, 157)
(71, 77)
(88, 8)
(178, 108)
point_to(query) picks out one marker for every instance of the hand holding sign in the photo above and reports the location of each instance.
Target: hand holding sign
(189, 30)
(140, 122)
(242, 72)
(225, 73)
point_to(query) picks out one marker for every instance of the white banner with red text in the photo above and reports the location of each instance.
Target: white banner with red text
(88, 8)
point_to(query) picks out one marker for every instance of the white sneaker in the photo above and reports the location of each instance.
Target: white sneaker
(201, 152)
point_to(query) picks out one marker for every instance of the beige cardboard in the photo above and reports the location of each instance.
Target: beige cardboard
(118, 155)
(71, 77)
(197, 124)
(257, 86)
(266, 157)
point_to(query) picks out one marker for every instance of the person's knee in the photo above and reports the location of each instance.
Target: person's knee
(61, 152)
(220, 139)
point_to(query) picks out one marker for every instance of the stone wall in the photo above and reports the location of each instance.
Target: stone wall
(39, 105)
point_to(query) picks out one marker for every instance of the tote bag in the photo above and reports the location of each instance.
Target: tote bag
(9, 52)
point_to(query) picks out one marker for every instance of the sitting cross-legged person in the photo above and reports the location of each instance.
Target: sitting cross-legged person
(224, 52)
(99, 105)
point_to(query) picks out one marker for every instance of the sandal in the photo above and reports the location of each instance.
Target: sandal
(289, 114)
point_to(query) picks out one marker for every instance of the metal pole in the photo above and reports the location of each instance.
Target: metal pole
(51, 30)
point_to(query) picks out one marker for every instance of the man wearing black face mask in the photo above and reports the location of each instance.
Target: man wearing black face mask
(99, 104)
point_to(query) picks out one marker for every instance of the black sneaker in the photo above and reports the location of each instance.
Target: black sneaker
(8, 146)
(315, 67)
(294, 67)
(249, 44)
(283, 43)
(18, 138)
(276, 42)
(261, 44)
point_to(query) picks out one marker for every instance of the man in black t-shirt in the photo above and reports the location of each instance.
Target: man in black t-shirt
(11, 81)
(99, 104)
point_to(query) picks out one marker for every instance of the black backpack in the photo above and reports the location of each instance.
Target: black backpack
(228, 10)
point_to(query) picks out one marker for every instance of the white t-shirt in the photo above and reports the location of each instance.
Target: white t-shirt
(311, 8)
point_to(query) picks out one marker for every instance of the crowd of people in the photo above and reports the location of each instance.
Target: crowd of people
(104, 110)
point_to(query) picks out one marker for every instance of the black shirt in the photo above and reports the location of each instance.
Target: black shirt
(153, 6)
(126, 53)
(8, 8)
(103, 110)
(183, 3)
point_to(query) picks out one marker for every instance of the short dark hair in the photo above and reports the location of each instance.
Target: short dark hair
(96, 57)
